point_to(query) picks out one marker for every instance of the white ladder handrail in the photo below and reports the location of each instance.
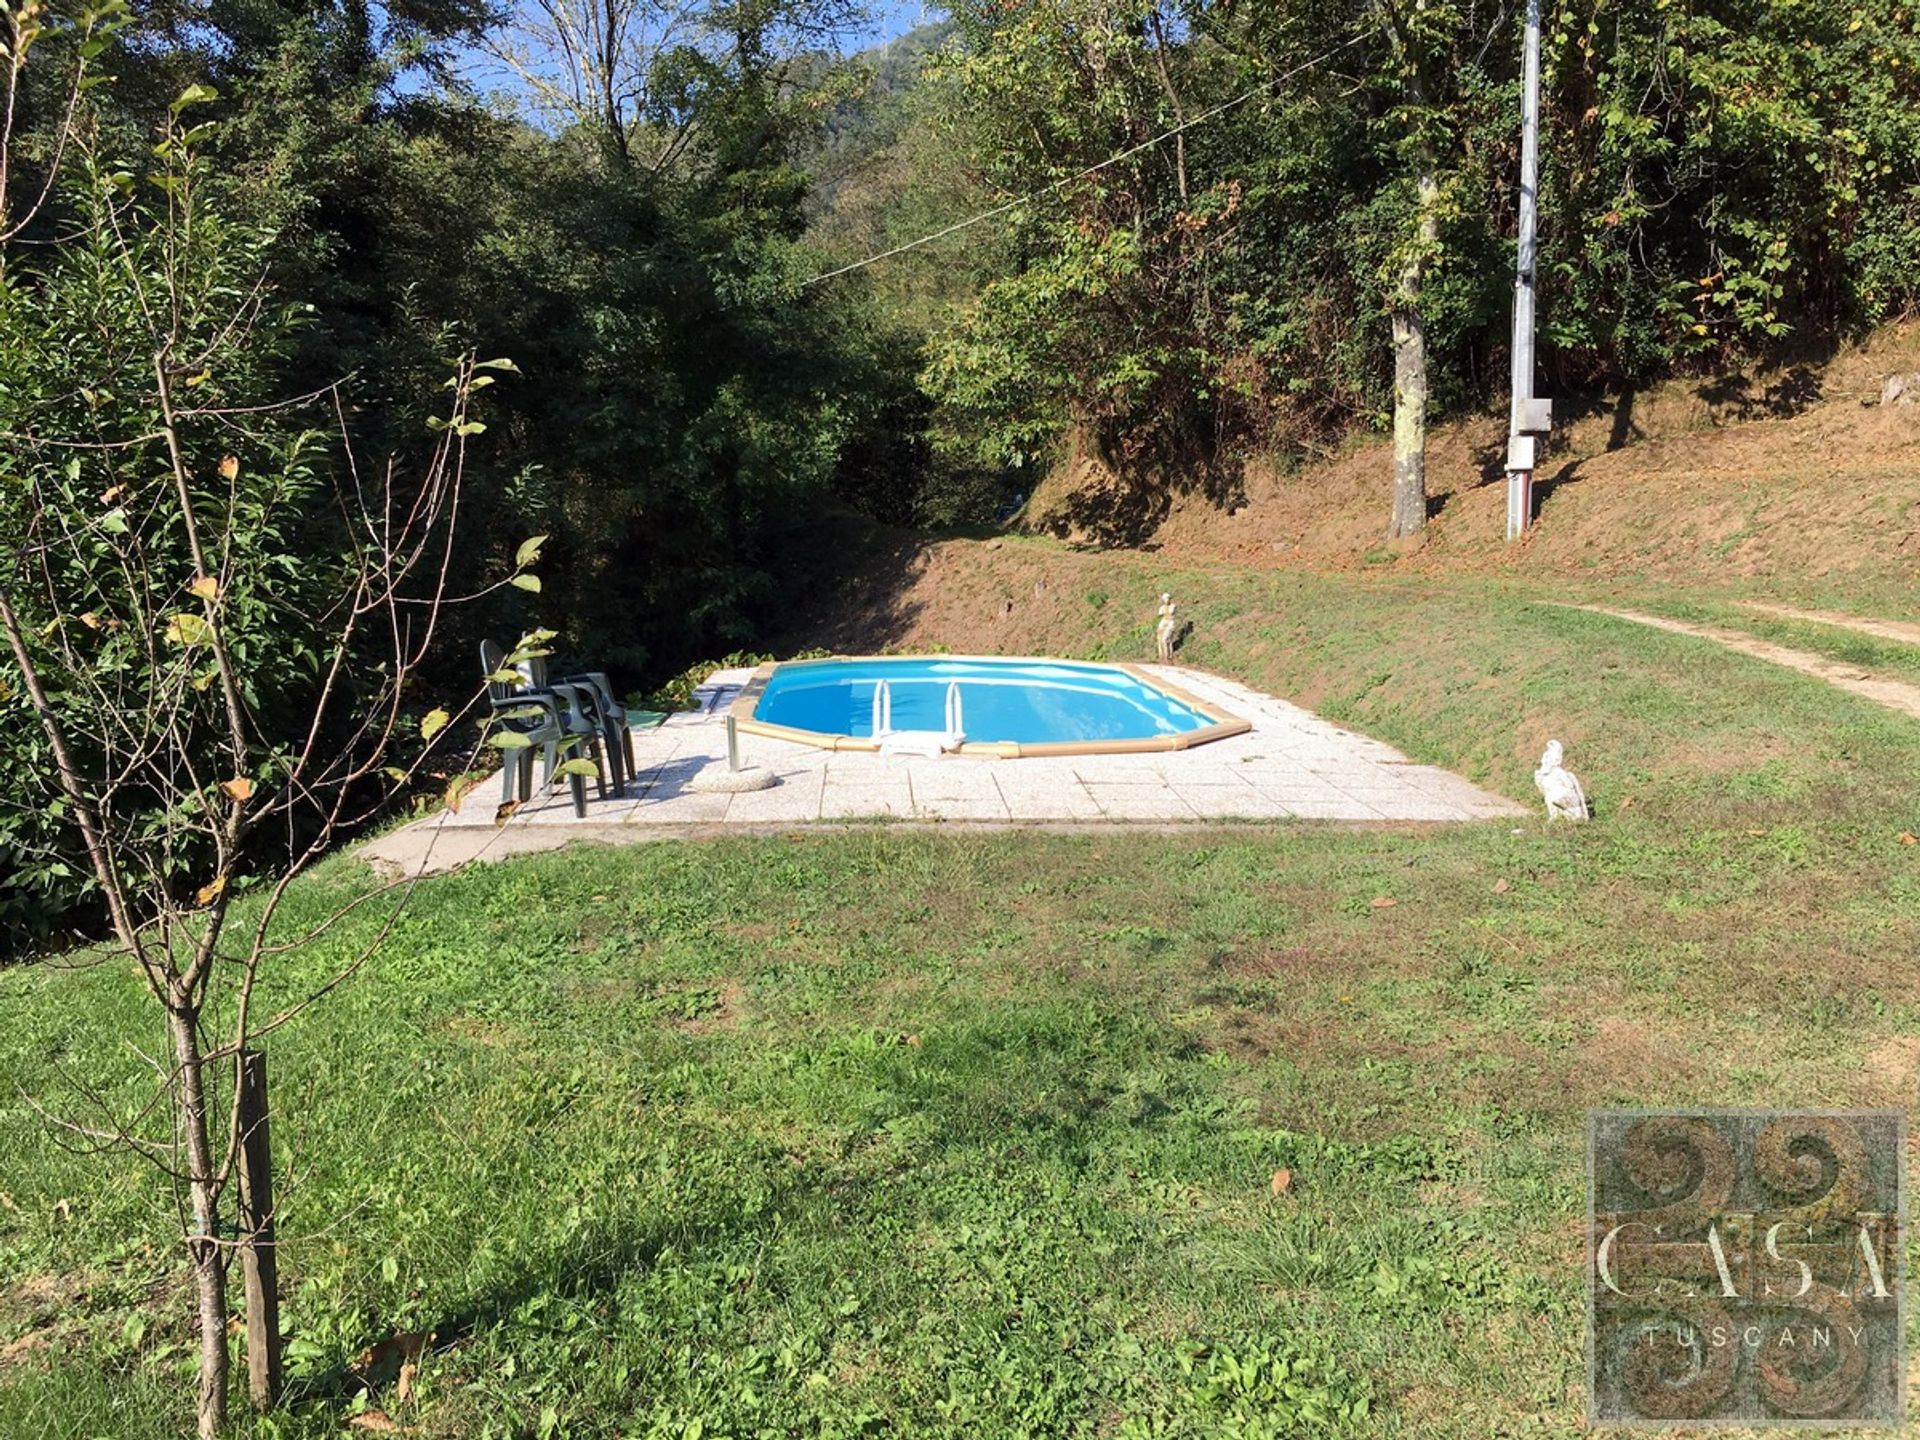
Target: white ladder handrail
(954, 727)
(882, 708)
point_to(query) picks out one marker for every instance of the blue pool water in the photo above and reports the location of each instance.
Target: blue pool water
(1029, 702)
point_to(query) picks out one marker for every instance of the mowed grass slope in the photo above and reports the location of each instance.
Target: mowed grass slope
(877, 1130)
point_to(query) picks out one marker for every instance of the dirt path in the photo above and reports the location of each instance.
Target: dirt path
(1905, 633)
(1894, 694)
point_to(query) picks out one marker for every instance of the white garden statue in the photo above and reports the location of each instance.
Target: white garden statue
(1164, 632)
(1560, 786)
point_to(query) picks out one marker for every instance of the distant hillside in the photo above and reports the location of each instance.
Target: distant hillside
(859, 130)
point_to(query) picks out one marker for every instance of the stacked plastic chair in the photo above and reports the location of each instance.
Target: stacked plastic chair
(556, 720)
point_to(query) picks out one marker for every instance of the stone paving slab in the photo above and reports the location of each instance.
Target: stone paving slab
(1291, 765)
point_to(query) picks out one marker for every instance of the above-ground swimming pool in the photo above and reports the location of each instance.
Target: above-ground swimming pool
(979, 706)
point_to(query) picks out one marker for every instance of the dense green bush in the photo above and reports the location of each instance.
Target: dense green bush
(681, 398)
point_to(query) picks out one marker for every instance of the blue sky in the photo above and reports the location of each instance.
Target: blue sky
(887, 20)
(891, 19)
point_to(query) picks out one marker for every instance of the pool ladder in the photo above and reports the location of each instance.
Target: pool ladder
(883, 709)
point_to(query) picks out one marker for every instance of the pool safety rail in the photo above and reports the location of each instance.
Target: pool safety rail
(1220, 724)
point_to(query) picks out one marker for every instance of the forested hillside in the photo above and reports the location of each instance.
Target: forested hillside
(1186, 227)
(1717, 180)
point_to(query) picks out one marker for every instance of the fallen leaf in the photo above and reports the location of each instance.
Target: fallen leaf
(1282, 1181)
(239, 788)
(1627, 803)
(1501, 887)
(1383, 902)
(913, 1040)
(376, 1422)
(1756, 834)
(229, 467)
(1907, 837)
(397, 1358)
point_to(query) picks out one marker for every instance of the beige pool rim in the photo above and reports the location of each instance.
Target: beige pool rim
(1220, 725)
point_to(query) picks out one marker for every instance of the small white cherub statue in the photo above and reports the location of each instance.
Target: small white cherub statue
(1560, 786)
(1163, 633)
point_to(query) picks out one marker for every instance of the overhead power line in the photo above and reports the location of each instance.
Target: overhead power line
(1111, 160)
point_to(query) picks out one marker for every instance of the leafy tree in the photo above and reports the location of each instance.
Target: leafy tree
(1716, 178)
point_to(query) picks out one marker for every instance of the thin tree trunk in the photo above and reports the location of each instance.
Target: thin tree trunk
(612, 27)
(1409, 413)
(1173, 98)
(203, 1245)
(1410, 355)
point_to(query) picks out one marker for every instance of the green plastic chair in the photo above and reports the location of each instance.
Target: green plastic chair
(552, 722)
(595, 691)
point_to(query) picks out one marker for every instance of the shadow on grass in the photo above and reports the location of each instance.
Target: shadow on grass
(591, 1266)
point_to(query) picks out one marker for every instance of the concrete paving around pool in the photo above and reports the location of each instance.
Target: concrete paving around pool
(1291, 765)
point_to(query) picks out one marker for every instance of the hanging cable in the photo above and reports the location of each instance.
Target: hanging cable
(1127, 154)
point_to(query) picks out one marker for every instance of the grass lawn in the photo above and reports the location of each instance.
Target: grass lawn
(877, 1130)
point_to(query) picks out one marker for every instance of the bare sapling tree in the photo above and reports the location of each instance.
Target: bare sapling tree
(216, 616)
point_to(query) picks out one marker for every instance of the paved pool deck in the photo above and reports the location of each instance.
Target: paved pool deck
(1292, 765)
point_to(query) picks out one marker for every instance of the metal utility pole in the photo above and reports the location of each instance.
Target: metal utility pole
(1531, 417)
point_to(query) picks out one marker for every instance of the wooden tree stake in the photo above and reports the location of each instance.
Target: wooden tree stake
(258, 1262)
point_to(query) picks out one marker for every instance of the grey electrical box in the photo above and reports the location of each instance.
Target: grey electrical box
(1535, 416)
(1520, 452)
